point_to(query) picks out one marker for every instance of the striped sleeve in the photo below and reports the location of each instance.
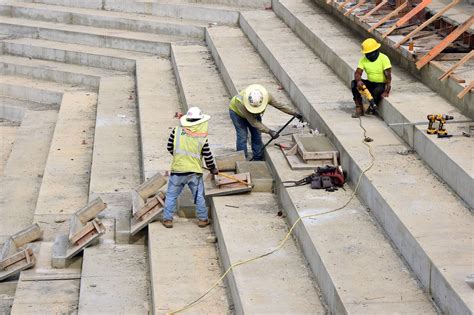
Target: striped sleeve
(207, 154)
(170, 145)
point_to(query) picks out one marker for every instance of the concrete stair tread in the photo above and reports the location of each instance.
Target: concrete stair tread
(92, 30)
(410, 99)
(236, 5)
(103, 13)
(37, 84)
(182, 257)
(24, 105)
(114, 280)
(421, 215)
(200, 85)
(156, 81)
(349, 232)
(279, 283)
(100, 57)
(59, 66)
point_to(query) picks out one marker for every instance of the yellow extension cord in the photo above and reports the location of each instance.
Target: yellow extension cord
(365, 141)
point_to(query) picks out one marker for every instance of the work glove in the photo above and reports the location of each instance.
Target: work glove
(299, 117)
(274, 134)
(214, 171)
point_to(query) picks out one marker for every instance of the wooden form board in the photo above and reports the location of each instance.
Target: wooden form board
(92, 228)
(16, 263)
(145, 213)
(212, 189)
(407, 17)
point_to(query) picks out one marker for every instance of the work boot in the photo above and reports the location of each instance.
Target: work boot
(168, 224)
(359, 111)
(202, 224)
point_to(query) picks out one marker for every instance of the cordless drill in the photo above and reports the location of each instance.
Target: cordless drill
(363, 90)
(441, 131)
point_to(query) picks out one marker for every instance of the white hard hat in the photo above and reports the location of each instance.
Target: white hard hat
(194, 113)
(255, 98)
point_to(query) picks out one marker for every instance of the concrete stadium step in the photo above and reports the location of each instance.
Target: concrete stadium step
(104, 19)
(116, 162)
(14, 109)
(183, 265)
(7, 293)
(23, 174)
(280, 283)
(93, 36)
(325, 244)
(63, 190)
(410, 203)
(200, 85)
(409, 101)
(106, 58)
(8, 129)
(189, 10)
(39, 91)
(114, 280)
(53, 71)
(158, 101)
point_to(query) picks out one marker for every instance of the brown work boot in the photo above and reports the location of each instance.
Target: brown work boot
(202, 224)
(168, 224)
(359, 111)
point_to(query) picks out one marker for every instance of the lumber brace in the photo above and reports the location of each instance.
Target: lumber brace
(407, 17)
(388, 16)
(435, 51)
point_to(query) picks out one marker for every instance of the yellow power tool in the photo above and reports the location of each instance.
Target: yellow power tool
(363, 90)
(441, 119)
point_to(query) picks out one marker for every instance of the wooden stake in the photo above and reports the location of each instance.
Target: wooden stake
(407, 17)
(444, 43)
(376, 8)
(457, 65)
(388, 16)
(426, 23)
(466, 90)
(343, 4)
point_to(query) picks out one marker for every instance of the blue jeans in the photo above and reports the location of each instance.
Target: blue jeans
(242, 126)
(176, 184)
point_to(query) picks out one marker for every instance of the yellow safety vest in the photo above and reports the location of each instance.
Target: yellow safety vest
(188, 143)
(234, 100)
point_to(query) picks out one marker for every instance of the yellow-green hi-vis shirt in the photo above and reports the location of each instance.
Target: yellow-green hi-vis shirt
(375, 69)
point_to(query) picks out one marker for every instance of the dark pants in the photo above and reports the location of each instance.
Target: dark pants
(242, 126)
(376, 89)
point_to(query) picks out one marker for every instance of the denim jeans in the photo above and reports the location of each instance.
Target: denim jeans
(242, 126)
(176, 184)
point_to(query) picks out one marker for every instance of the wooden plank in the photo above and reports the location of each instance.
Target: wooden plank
(151, 203)
(91, 210)
(456, 65)
(426, 23)
(444, 43)
(388, 16)
(441, 67)
(342, 5)
(450, 56)
(151, 186)
(466, 90)
(407, 17)
(375, 9)
(361, 2)
(19, 256)
(230, 189)
(27, 235)
(221, 179)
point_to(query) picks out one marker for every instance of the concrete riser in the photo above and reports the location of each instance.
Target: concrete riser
(162, 49)
(31, 94)
(71, 57)
(104, 21)
(458, 178)
(403, 240)
(49, 75)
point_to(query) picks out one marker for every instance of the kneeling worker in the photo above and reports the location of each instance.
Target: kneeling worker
(379, 75)
(246, 110)
(188, 143)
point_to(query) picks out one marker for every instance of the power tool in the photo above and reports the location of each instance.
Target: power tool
(441, 119)
(363, 90)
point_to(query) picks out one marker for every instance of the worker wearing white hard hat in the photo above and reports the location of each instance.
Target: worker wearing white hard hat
(188, 143)
(246, 110)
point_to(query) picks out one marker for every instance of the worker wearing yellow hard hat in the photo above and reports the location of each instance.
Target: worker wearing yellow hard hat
(378, 68)
(246, 110)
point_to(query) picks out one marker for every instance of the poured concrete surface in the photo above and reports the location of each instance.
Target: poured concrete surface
(260, 175)
(7, 138)
(182, 267)
(279, 283)
(114, 280)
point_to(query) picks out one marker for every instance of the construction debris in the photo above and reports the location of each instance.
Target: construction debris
(84, 228)
(148, 201)
(16, 254)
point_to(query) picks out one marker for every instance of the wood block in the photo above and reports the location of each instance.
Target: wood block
(91, 210)
(226, 162)
(28, 235)
(212, 189)
(151, 186)
(19, 256)
(222, 180)
(156, 201)
(91, 227)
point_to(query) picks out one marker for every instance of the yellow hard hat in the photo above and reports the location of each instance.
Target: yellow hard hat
(369, 45)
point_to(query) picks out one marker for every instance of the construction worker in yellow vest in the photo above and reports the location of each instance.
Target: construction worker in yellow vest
(379, 75)
(246, 110)
(188, 144)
